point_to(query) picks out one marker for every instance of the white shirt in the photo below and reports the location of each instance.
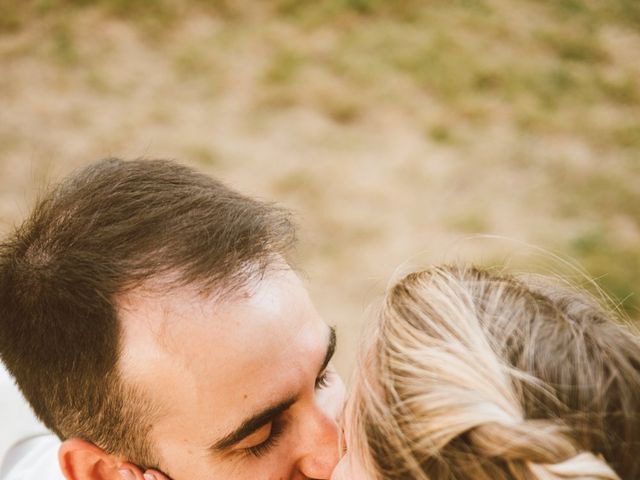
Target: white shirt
(27, 450)
(35, 458)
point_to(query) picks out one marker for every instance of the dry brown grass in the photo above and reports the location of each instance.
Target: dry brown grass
(393, 128)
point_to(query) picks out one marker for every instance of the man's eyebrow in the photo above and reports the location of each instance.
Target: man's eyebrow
(251, 425)
(331, 349)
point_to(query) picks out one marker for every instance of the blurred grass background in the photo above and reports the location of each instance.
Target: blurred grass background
(393, 128)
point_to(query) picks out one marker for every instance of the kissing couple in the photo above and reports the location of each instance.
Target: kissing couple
(151, 318)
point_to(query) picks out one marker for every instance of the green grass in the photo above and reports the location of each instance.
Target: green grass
(471, 222)
(615, 268)
(549, 73)
(627, 135)
(576, 45)
(283, 68)
(596, 12)
(191, 62)
(603, 198)
(63, 45)
(203, 154)
(440, 133)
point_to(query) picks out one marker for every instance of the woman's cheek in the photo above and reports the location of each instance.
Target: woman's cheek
(340, 472)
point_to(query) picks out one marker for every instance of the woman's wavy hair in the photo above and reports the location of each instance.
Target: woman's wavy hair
(484, 376)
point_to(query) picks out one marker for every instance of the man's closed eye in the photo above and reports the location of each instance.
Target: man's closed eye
(263, 440)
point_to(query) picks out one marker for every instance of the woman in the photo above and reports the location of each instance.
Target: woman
(473, 375)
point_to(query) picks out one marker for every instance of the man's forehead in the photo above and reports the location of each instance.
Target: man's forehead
(210, 355)
(159, 312)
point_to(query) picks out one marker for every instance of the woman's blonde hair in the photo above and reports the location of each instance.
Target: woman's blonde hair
(483, 376)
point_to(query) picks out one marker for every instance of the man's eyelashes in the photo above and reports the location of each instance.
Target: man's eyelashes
(323, 380)
(277, 429)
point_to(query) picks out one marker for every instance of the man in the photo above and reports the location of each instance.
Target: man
(149, 316)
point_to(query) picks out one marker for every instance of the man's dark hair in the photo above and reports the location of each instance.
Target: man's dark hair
(104, 231)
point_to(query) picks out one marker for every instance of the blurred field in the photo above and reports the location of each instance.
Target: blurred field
(394, 129)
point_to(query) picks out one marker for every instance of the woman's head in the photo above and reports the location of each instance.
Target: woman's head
(476, 375)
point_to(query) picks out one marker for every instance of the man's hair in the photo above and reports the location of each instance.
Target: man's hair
(104, 231)
(475, 375)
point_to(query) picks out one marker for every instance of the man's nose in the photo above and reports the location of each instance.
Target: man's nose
(318, 454)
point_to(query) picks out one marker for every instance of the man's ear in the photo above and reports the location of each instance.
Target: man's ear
(82, 460)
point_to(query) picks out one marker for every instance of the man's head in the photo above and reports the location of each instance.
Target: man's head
(147, 308)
